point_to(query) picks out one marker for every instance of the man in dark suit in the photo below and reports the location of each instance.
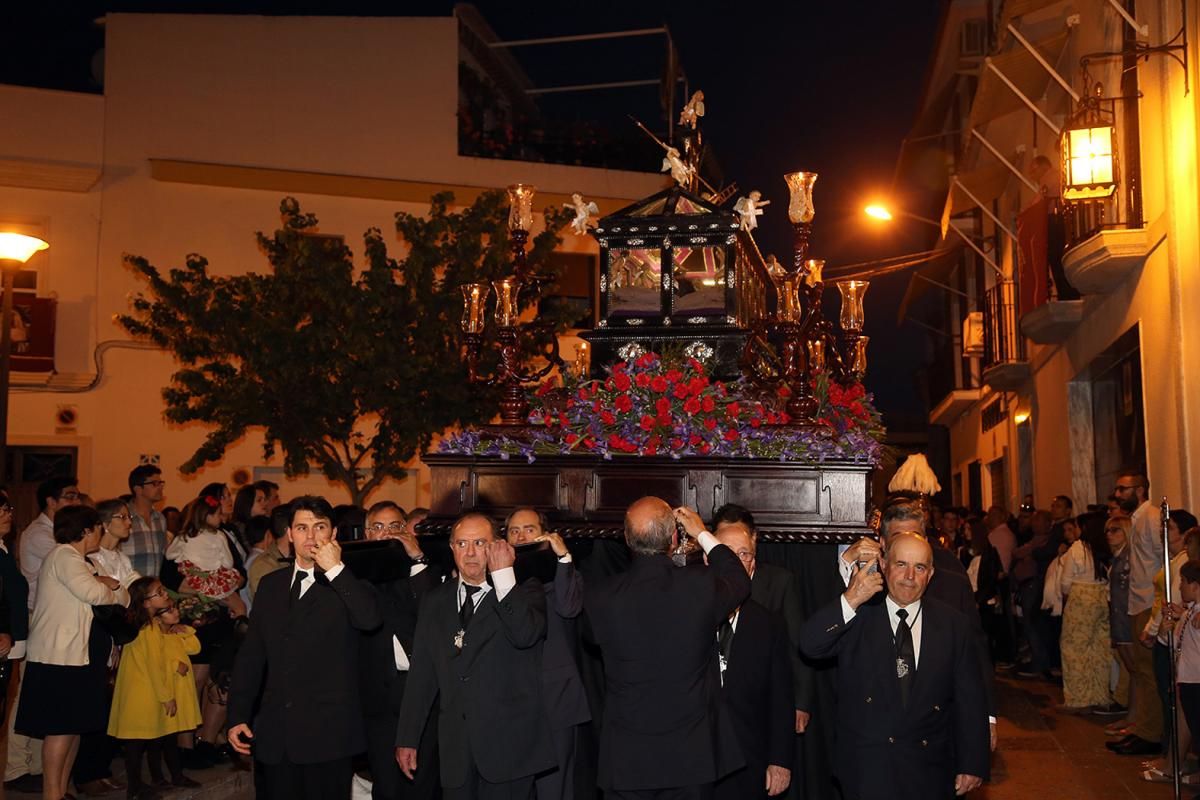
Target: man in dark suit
(385, 660)
(949, 584)
(478, 653)
(774, 588)
(756, 684)
(562, 688)
(665, 731)
(912, 715)
(303, 640)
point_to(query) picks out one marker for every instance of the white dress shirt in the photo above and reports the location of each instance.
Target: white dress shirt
(310, 576)
(915, 623)
(115, 565)
(37, 541)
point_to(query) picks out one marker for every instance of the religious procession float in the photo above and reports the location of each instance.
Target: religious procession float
(711, 376)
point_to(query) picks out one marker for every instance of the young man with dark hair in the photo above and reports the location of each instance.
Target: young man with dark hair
(300, 657)
(278, 553)
(148, 537)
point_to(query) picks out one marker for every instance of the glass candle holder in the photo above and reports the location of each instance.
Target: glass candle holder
(520, 206)
(800, 202)
(789, 298)
(853, 293)
(858, 359)
(581, 360)
(816, 355)
(474, 301)
(507, 308)
(813, 268)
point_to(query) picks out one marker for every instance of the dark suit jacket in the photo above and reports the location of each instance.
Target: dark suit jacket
(664, 723)
(774, 588)
(758, 692)
(951, 585)
(381, 684)
(562, 689)
(888, 751)
(308, 656)
(16, 598)
(489, 698)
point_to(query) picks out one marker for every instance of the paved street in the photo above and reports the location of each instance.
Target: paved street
(1047, 754)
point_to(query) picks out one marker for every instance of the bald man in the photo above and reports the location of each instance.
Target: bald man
(912, 720)
(665, 732)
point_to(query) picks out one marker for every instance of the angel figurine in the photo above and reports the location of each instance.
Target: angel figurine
(750, 209)
(583, 213)
(680, 170)
(693, 110)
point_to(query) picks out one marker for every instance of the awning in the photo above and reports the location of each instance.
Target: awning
(922, 161)
(1019, 8)
(939, 269)
(985, 183)
(995, 98)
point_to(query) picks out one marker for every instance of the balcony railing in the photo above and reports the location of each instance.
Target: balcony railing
(1002, 340)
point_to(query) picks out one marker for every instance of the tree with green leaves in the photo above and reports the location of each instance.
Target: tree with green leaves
(347, 368)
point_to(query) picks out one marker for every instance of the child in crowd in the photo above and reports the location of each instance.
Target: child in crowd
(1187, 650)
(155, 695)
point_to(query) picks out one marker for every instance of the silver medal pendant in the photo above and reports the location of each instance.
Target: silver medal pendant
(901, 667)
(458, 640)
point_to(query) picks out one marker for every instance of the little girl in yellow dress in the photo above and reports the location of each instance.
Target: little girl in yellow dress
(155, 695)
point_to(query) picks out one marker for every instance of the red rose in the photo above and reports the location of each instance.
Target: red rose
(614, 440)
(571, 438)
(545, 387)
(694, 439)
(695, 365)
(563, 419)
(710, 423)
(651, 448)
(642, 380)
(733, 409)
(622, 382)
(755, 422)
(692, 406)
(677, 444)
(623, 403)
(681, 390)
(856, 408)
(659, 384)
(674, 375)
(771, 418)
(708, 404)
(663, 407)
(704, 448)
(607, 418)
(645, 360)
(647, 423)
(731, 435)
(618, 368)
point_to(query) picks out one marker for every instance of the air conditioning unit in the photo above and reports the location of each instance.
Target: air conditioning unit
(972, 335)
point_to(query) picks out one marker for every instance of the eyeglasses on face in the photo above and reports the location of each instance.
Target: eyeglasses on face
(745, 555)
(155, 482)
(71, 496)
(390, 527)
(124, 515)
(461, 544)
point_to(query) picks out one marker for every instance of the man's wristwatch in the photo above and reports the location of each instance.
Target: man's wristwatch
(419, 559)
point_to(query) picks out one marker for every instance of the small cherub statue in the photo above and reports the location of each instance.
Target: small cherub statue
(750, 209)
(583, 213)
(680, 170)
(693, 110)
(774, 268)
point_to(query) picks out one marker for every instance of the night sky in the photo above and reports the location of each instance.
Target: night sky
(822, 85)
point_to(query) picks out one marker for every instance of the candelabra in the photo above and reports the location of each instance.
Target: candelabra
(808, 343)
(510, 374)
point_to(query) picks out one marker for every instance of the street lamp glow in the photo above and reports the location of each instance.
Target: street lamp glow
(878, 212)
(19, 247)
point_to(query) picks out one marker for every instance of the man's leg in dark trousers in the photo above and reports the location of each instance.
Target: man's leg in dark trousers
(328, 780)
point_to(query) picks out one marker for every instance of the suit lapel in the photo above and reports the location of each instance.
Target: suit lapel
(882, 632)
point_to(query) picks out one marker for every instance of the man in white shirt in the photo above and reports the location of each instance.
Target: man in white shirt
(933, 731)
(1145, 559)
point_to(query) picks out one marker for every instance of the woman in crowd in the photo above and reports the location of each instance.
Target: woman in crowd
(204, 555)
(1085, 641)
(155, 695)
(110, 560)
(63, 693)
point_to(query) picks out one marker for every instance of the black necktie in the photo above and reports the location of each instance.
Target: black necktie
(468, 607)
(295, 593)
(906, 656)
(724, 644)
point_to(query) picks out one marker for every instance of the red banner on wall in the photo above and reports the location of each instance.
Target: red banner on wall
(33, 333)
(1032, 238)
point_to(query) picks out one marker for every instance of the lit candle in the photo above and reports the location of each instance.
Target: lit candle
(816, 355)
(507, 309)
(474, 298)
(853, 315)
(800, 202)
(520, 208)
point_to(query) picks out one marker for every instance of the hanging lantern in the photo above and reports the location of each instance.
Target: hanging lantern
(1089, 153)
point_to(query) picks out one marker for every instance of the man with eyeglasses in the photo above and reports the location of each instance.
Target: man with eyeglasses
(295, 690)
(24, 766)
(385, 658)
(1132, 492)
(148, 533)
(477, 659)
(566, 700)
(756, 681)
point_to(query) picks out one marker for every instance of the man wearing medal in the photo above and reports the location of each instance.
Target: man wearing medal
(912, 719)
(477, 652)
